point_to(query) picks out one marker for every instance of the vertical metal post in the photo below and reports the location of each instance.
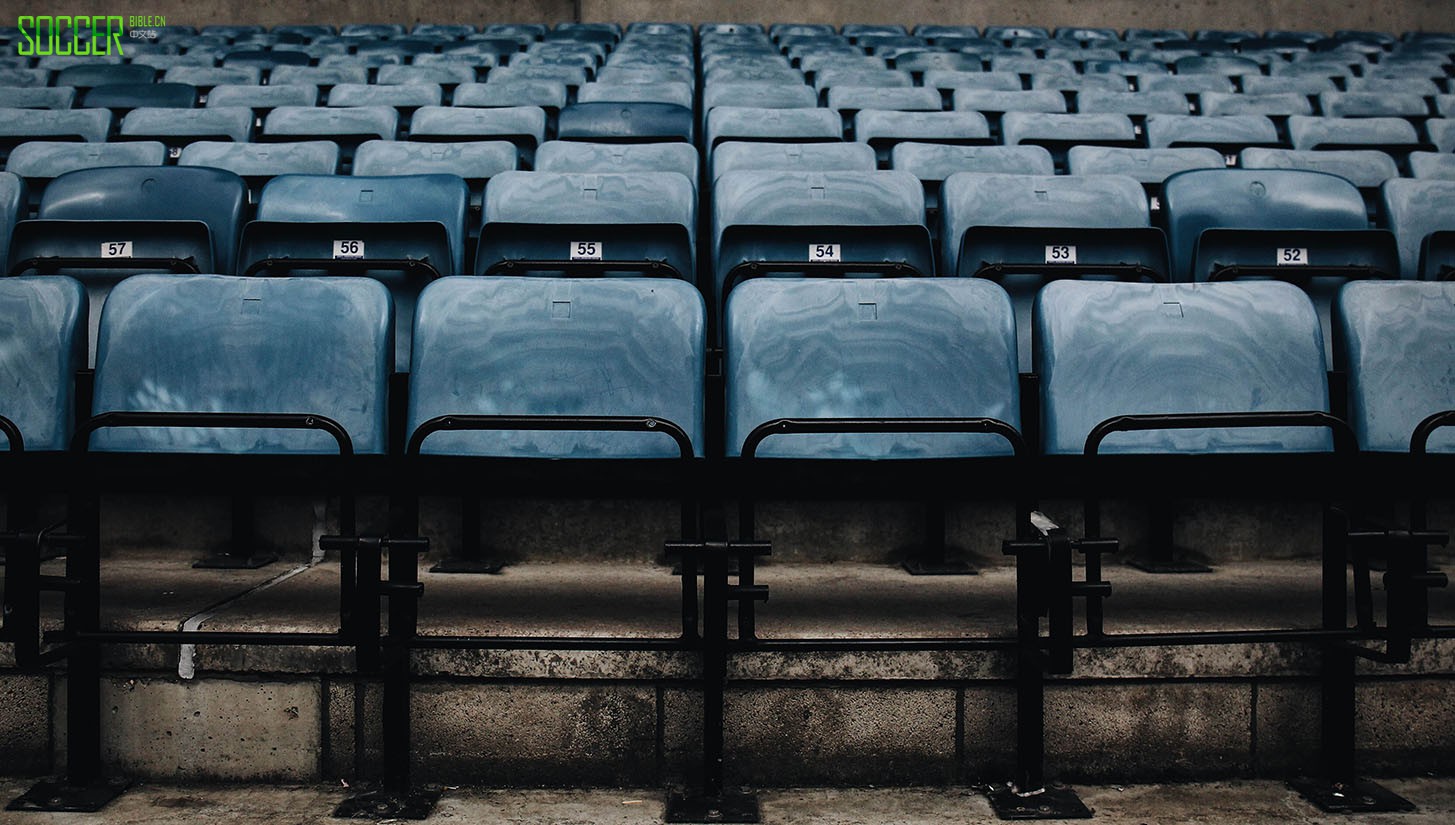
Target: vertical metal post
(1337, 667)
(714, 665)
(1029, 681)
(83, 662)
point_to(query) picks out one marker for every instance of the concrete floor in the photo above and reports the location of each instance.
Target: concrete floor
(1222, 803)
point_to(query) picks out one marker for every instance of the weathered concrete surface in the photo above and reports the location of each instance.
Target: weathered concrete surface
(1153, 732)
(1406, 726)
(206, 730)
(535, 734)
(25, 742)
(1187, 14)
(1223, 803)
(844, 734)
(1286, 733)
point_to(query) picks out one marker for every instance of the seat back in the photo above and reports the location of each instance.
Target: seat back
(1415, 209)
(902, 348)
(214, 343)
(577, 347)
(1108, 349)
(1394, 341)
(42, 346)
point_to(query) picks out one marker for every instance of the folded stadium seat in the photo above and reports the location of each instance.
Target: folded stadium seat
(441, 31)
(837, 224)
(948, 81)
(1084, 34)
(37, 98)
(38, 161)
(393, 51)
(24, 78)
(611, 158)
(850, 99)
(21, 125)
(742, 123)
(1024, 231)
(1031, 65)
(1416, 210)
(476, 162)
(42, 347)
(1284, 84)
(1149, 167)
(403, 98)
(1442, 134)
(89, 66)
(758, 73)
(555, 223)
(14, 205)
(1396, 86)
(1393, 340)
(1393, 135)
(931, 163)
(1308, 228)
(1188, 84)
(997, 102)
(734, 156)
(1277, 104)
(919, 62)
(257, 163)
(640, 122)
(87, 75)
(230, 33)
(678, 94)
(104, 225)
(1373, 104)
(207, 77)
(1153, 36)
(524, 126)
(572, 76)
(371, 30)
(1367, 169)
(348, 127)
(439, 74)
(527, 32)
(1059, 132)
(262, 99)
(1071, 82)
(620, 73)
(882, 130)
(266, 59)
(178, 128)
(1229, 134)
(1130, 69)
(549, 95)
(1093, 101)
(402, 230)
(122, 97)
(1445, 105)
(794, 95)
(1432, 165)
(933, 32)
(317, 75)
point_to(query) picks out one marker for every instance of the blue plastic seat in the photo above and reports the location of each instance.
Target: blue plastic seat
(882, 130)
(1059, 132)
(1389, 134)
(740, 123)
(678, 94)
(475, 162)
(40, 160)
(178, 128)
(267, 59)
(437, 74)
(1394, 343)
(1149, 167)
(42, 347)
(990, 100)
(1432, 165)
(924, 61)
(24, 78)
(20, 125)
(262, 98)
(1286, 84)
(259, 162)
(640, 122)
(558, 223)
(317, 75)
(1373, 104)
(401, 97)
(25, 97)
(791, 95)
(1229, 134)
(404, 231)
(13, 207)
(600, 158)
(1026, 230)
(1105, 350)
(1442, 134)
(87, 75)
(210, 77)
(947, 80)
(347, 127)
(1131, 103)
(1277, 104)
(1187, 84)
(220, 344)
(1072, 82)
(104, 225)
(126, 96)
(902, 348)
(524, 126)
(1416, 209)
(850, 99)
(1365, 168)
(559, 347)
(549, 95)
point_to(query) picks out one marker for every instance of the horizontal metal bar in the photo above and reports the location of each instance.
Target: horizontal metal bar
(215, 637)
(600, 643)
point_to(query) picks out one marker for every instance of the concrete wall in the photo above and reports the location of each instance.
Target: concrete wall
(1327, 15)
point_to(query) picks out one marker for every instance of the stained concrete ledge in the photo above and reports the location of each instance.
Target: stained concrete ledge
(1216, 803)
